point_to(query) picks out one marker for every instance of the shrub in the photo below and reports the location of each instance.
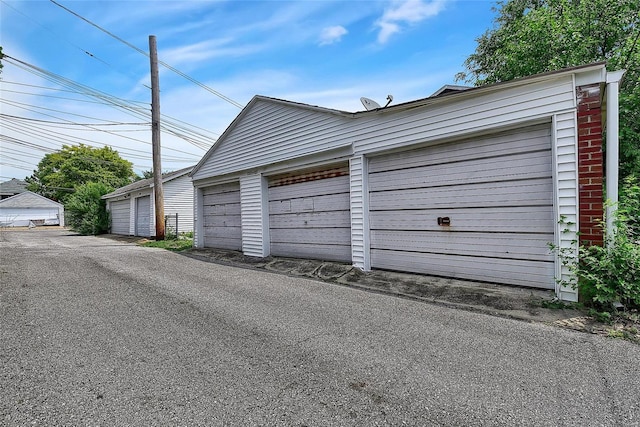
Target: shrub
(85, 211)
(610, 274)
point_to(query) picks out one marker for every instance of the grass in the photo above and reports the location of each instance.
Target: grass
(175, 245)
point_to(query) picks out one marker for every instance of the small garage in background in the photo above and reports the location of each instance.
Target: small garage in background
(132, 207)
(309, 214)
(222, 220)
(28, 209)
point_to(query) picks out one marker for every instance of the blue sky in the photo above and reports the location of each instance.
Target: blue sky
(326, 53)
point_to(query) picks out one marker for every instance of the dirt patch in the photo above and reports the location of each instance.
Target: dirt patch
(332, 271)
(296, 267)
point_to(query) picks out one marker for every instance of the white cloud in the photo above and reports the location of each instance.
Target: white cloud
(332, 35)
(205, 50)
(406, 12)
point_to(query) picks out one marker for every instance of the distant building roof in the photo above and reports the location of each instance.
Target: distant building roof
(27, 199)
(12, 187)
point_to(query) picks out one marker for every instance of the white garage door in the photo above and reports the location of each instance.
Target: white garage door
(143, 216)
(309, 214)
(222, 221)
(120, 214)
(479, 209)
(22, 217)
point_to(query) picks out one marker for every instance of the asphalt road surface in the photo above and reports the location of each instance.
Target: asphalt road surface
(97, 332)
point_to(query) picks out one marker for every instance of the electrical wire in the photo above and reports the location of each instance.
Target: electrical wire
(180, 73)
(113, 101)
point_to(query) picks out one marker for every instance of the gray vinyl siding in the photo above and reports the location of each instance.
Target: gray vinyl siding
(269, 131)
(120, 217)
(498, 192)
(566, 152)
(455, 116)
(143, 216)
(311, 219)
(178, 199)
(359, 212)
(222, 216)
(272, 132)
(255, 216)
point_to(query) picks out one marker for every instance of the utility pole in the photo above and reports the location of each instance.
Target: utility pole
(155, 139)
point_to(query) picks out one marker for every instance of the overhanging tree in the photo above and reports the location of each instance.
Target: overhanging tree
(60, 173)
(534, 36)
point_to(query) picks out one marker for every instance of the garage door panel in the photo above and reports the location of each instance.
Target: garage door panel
(341, 219)
(309, 189)
(221, 209)
(516, 193)
(303, 250)
(537, 138)
(221, 198)
(538, 274)
(230, 187)
(527, 219)
(222, 221)
(506, 168)
(312, 236)
(218, 242)
(225, 232)
(328, 203)
(494, 245)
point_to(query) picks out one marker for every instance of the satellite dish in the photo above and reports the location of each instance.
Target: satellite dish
(369, 104)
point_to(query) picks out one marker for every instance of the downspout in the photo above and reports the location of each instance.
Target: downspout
(612, 147)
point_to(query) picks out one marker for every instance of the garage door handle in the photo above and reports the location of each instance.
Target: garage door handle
(444, 220)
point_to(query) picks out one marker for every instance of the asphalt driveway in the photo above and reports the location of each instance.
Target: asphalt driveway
(99, 332)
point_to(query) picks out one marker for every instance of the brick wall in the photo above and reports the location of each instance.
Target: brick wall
(590, 164)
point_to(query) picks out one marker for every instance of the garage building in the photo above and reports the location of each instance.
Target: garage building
(468, 183)
(132, 207)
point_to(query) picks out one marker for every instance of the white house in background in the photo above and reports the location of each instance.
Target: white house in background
(29, 209)
(132, 207)
(468, 183)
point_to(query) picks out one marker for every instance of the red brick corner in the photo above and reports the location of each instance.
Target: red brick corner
(590, 164)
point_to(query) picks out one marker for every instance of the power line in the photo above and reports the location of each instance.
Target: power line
(22, 105)
(180, 73)
(63, 90)
(74, 124)
(73, 140)
(86, 52)
(172, 121)
(113, 101)
(16, 166)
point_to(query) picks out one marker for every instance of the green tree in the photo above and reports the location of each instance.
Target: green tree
(534, 36)
(60, 173)
(85, 211)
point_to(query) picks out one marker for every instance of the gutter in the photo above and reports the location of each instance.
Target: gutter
(613, 147)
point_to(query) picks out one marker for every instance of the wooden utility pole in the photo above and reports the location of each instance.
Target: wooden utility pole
(155, 139)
